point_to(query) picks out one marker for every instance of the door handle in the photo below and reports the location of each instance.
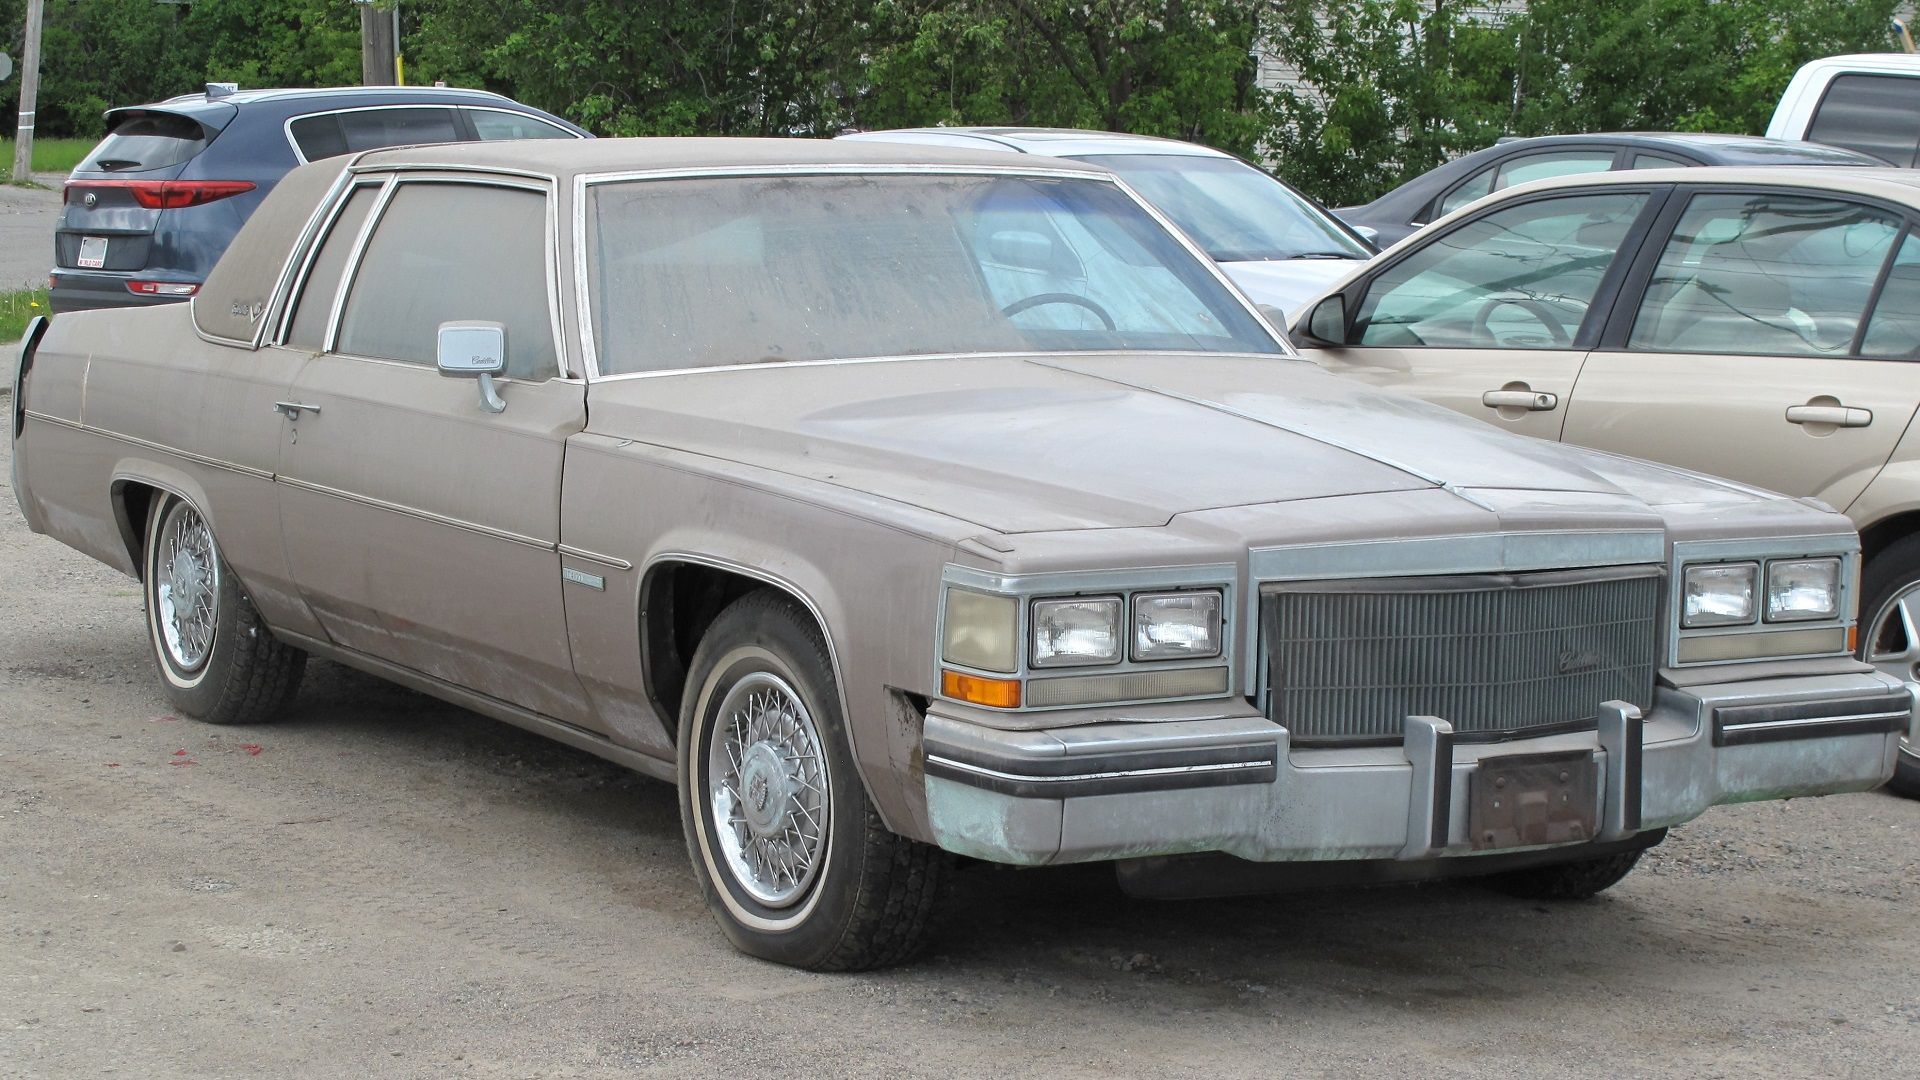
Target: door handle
(1530, 400)
(1836, 415)
(293, 409)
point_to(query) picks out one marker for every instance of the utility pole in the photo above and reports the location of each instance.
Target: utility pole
(379, 41)
(29, 94)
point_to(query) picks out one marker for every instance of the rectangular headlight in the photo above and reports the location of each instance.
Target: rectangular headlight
(982, 631)
(1176, 626)
(1801, 590)
(1072, 633)
(1719, 594)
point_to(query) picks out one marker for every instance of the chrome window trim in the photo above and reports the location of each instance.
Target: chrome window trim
(1764, 551)
(481, 178)
(901, 357)
(333, 207)
(277, 295)
(1122, 582)
(583, 304)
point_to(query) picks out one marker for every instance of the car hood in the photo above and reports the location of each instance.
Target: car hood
(1288, 284)
(1089, 440)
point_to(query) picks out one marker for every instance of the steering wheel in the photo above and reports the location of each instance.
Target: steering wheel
(1045, 298)
(1542, 313)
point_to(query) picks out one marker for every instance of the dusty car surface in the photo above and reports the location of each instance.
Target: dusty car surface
(1758, 324)
(898, 503)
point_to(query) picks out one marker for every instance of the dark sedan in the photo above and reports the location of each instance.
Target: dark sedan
(1439, 192)
(151, 209)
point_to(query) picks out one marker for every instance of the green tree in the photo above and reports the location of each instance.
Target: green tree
(96, 54)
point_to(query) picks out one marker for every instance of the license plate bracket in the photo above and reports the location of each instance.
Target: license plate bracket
(93, 252)
(1525, 800)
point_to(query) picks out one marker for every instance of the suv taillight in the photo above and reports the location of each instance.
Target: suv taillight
(164, 194)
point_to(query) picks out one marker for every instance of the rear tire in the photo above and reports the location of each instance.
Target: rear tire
(1565, 881)
(218, 662)
(1890, 635)
(788, 850)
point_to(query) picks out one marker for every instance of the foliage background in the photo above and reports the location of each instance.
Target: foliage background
(1397, 85)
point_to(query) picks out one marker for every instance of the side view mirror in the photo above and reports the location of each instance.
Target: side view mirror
(475, 350)
(1368, 233)
(1327, 322)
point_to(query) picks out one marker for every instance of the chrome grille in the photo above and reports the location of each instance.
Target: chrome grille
(1492, 654)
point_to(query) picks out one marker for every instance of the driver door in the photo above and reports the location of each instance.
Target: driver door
(1491, 318)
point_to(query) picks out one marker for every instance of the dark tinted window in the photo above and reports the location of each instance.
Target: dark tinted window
(491, 125)
(152, 141)
(1657, 161)
(1875, 114)
(329, 134)
(428, 264)
(323, 279)
(1522, 168)
(318, 136)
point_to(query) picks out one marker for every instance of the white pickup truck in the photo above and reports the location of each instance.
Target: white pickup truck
(1868, 102)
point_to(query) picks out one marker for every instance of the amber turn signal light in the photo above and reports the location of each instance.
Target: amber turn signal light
(1853, 638)
(977, 690)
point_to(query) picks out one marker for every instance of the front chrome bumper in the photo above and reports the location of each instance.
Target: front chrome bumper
(1233, 783)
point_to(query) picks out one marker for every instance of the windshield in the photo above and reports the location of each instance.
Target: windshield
(1233, 210)
(755, 269)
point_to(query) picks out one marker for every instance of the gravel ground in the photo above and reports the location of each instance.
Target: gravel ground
(381, 885)
(28, 217)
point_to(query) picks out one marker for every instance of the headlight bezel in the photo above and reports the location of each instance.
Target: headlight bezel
(1760, 639)
(1046, 686)
(1140, 652)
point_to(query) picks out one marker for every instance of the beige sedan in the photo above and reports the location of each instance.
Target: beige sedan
(1761, 325)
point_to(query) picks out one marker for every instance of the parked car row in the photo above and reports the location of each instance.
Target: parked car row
(937, 493)
(903, 502)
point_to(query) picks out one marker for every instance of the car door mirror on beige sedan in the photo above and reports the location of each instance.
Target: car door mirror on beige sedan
(1327, 322)
(475, 350)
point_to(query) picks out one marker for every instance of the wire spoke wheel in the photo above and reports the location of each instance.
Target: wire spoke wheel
(768, 788)
(187, 588)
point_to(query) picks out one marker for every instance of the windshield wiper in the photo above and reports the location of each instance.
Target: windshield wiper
(1327, 255)
(115, 164)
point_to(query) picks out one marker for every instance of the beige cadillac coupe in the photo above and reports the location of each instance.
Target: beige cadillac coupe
(897, 503)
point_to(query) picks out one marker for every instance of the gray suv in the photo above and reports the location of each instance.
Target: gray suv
(152, 207)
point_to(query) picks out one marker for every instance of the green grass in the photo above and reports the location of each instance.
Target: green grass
(49, 155)
(16, 308)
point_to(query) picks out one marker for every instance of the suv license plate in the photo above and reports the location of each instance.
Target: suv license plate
(93, 252)
(1524, 800)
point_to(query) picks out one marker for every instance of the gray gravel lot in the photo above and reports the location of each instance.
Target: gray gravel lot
(28, 217)
(381, 885)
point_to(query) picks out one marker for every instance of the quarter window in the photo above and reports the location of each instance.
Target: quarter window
(1894, 329)
(1781, 275)
(1521, 277)
(1874, 114)
(1657, 161)
(310, 316)
(491, 125)
(429, 263)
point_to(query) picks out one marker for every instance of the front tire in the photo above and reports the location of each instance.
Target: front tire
(1890, 635)
(218, 662)
(788, 850)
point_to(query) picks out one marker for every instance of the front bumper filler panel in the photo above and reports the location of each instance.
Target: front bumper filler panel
(1233, 784)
